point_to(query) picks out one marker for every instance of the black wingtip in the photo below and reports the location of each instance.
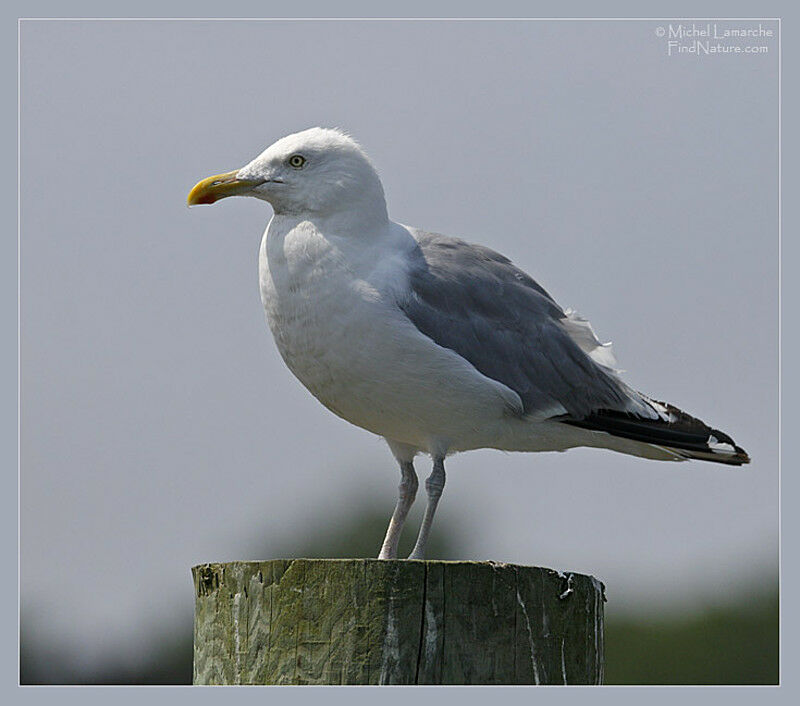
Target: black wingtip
(739, 457)
(686, 436)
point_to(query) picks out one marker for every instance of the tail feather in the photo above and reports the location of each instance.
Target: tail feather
(679, 432)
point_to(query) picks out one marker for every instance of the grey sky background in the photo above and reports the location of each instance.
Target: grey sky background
(160, 428)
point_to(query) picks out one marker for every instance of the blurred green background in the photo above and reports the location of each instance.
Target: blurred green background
(735, 643)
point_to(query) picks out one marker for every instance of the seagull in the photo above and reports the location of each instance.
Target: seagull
(433, 343)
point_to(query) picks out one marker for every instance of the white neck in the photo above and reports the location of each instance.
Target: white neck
(357, 222)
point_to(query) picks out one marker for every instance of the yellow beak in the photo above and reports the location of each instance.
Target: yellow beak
(219, 187)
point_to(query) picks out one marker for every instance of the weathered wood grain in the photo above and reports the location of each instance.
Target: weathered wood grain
(364, 621)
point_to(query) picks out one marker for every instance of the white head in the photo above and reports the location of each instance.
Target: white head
(318, 172)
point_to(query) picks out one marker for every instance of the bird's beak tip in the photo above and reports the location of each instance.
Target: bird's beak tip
(198, 199)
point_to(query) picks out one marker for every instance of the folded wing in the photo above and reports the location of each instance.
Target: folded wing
(475, 302)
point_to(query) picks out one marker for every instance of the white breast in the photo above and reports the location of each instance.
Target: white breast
(331, 308)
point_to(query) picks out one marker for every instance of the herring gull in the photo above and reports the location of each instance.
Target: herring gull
(433, 343)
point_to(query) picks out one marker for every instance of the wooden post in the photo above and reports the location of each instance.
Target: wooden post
(364, 621)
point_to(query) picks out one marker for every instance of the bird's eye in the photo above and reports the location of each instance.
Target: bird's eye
(297, 161)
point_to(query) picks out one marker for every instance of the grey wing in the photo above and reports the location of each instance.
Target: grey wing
(475, 302)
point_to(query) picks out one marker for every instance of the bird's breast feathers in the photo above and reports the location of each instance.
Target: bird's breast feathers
(337, 327)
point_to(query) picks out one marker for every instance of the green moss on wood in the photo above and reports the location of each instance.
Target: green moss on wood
(363, 621)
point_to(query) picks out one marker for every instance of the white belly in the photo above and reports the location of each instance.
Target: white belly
(359, 355)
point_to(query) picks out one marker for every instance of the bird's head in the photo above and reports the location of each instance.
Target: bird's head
(319, 171)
